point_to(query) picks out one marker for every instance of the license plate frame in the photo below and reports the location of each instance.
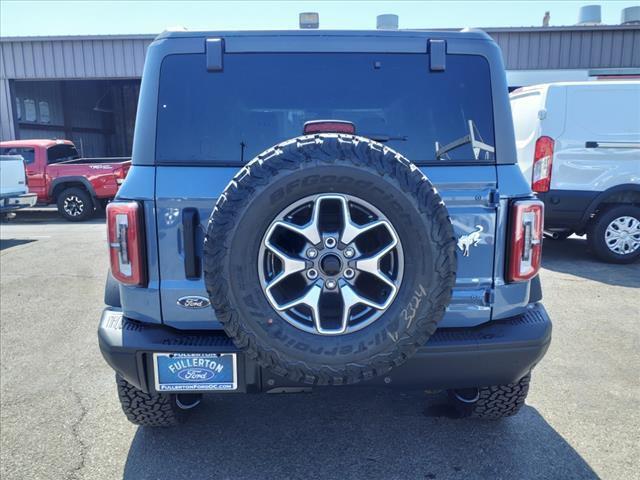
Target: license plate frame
(195, 372)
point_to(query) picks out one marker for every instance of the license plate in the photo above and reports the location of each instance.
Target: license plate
(180, 372)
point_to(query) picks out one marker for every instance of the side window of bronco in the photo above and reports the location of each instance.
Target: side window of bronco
(259, 100)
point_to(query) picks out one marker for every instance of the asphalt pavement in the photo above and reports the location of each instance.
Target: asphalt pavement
(60, 417)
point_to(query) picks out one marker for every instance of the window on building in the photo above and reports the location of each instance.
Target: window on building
(18, 108)
(43, 107)
(30, 110)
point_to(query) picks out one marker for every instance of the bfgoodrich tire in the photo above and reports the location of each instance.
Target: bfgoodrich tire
(346, 170)
(153, 409)
(491, 403)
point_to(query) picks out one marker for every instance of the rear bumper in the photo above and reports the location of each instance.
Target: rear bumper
(497, 353)
(16, 202)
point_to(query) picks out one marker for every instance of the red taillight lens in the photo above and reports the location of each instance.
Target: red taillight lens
(542, 163)
(126, 242)
(120, 174)
(527, 223)
(329, 126)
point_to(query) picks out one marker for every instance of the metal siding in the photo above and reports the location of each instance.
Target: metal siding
(7, 129)
(569, 48)
(123, 57)
(73, 59)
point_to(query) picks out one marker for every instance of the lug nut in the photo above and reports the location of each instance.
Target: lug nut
(312, 253)
(331, 284)
(330, 242)
(349, 252)
(349, 273)
(312, 274)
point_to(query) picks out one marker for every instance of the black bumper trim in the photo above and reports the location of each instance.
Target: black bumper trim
(495, 353)
(566, 209)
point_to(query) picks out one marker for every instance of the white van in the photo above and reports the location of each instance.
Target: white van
(579, 143)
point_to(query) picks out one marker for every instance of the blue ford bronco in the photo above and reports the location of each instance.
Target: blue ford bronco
(323, 208)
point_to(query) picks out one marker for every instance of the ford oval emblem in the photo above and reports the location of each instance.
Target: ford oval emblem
(194, 302)
(196, 374)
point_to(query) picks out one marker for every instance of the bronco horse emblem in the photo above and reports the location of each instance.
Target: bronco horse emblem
(465, 242)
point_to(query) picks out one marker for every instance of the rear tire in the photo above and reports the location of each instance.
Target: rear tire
(75, 204)
(604, 225)
(153, 409)
(491, 403)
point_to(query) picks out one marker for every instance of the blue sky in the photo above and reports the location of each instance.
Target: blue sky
(26, 18)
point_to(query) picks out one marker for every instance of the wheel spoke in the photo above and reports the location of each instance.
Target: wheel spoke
(290, 265)
(310, 231)
(350, 299)
(350, 230)
(311, 298)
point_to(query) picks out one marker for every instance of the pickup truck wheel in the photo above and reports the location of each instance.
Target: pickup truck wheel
(330, 259)
(75, 204)
(614, 234)
(491, 403)
(153, 410)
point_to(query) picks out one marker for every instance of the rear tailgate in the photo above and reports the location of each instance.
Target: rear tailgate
(469, 193)
(233, 110)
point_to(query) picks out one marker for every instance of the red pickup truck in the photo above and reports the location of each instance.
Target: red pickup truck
(57, 174)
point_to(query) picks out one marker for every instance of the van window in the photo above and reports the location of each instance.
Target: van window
(524, 109)
(262, 99)
(602, 112)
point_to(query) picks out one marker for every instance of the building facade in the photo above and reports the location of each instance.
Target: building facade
(85, 88)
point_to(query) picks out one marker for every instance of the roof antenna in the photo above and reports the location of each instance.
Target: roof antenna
(546, 18)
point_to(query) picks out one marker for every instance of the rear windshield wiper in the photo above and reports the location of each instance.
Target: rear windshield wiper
(476, 145)
(382, 138)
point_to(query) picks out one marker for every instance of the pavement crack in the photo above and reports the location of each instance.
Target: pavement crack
(75, 429)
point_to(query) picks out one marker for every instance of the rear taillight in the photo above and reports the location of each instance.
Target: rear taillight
(527, 223)
(126, 242)
(120, 173)
(542, 163)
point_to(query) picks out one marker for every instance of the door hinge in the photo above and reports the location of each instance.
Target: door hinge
(494, 198)
(489, 296)
(215, 54)
(437, 55)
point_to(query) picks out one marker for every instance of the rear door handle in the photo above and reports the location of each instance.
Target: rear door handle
(190, 222)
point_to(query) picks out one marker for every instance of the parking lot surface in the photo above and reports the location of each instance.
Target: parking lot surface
(60, 417)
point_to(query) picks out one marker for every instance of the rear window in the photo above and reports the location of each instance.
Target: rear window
(27, 153)
(61, 153)
(262, 99)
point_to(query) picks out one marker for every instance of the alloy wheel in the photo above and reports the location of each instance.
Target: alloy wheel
(330, 264)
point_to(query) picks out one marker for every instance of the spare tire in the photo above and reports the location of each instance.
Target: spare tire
(329, 259)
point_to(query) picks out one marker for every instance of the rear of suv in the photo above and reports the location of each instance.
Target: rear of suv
(323, 208)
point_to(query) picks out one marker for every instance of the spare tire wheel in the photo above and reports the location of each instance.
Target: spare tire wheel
(329, 259)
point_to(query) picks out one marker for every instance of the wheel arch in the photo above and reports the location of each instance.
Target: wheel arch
(61, 183)
(628, 193)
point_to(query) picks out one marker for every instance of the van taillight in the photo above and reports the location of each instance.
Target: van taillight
(126, 242)
(526, 229)
(542, 163)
